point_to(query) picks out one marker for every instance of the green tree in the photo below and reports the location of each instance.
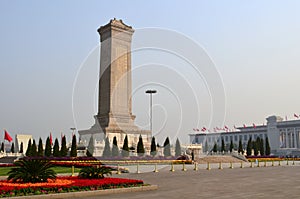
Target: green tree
(255, 148)
(63, 149)
(140, 147)
(40, 148)
(125, 148)
(153, 151)
(90, 148)
(167, 147)
(2, 147)
(21, 148)
(115, 148)
(48, 150)
(241, 150)
(73, 152)
(28, 151)
(249, 147)
(231, 146)
(215, 148)
(177, 148)
(107, 150)
(261, 147)
(12, 149)
(222, 145)
(56, 148)
(268, 149)
(33, 149)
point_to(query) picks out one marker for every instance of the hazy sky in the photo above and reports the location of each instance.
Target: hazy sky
(254, 45)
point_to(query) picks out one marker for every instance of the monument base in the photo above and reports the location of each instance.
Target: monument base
(120, 130)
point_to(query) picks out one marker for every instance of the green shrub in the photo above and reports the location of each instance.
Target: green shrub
(31, 170)
(94, 172)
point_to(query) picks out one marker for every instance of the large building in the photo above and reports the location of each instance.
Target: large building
(115, 116)
(284, 136)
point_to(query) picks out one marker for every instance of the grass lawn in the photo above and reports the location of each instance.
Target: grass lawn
(5, 170)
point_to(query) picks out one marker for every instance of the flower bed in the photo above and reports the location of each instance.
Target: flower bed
(269, 158)
(64, 184)
(7, 165)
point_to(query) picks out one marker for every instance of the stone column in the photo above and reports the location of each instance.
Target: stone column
(295, 139)
(286, 139)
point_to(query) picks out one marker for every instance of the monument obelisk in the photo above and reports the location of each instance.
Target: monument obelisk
(115, 116)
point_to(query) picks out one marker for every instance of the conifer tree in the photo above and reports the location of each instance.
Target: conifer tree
(21, 148)
(56, 148)
(90, 148)
(255, 148)
(63, 149)
(125, 148)
(231, 146)
(73, 152)
(33, 149)
(261, 147)
(177, 148)
(241, 150)
(28, 151)
(40, 148)
(268, 149)
(48, 150)
(167, 147)
(215, 148)
(2, 147)
(140, 147)
(249, 147)
(12, 149)
(223, 145)
(107, 150)
(153, 151)
(115, 148)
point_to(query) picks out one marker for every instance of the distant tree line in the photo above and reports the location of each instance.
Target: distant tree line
(34, 150)
(258, 146)
(114, 151)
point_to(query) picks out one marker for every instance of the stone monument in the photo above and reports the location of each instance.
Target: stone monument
(115, 116)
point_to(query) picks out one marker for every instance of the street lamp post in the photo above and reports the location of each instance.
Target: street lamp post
(150, 92)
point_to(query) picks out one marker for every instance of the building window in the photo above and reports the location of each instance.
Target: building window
(196, 140)
(226, 138)
(235, 138)
(245, 137)
(255, 136)
(241, 137)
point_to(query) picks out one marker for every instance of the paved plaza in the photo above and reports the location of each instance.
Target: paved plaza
(263, 182)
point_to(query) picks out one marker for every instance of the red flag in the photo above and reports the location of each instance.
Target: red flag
(50, 138)
(7, 136)
(244, 125)
(226, 127)
(203, 129)
(254, 126)
(296, 116)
